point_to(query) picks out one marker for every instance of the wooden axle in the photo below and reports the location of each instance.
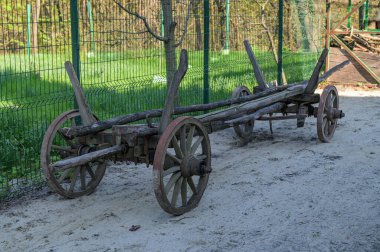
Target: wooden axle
(87, 158)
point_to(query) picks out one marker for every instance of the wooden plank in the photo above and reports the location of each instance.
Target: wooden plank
(353, 73)
(87, 158)
(107, 124)
(276, 107)
(84, 110)
(313, 82)
(256, 67)
(349, 14)
(353, 55)
(251, 105)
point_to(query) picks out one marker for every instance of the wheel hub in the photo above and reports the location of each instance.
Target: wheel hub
(191, 166)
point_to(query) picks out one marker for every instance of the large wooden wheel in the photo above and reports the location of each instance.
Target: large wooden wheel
(72, 182)
(243, 131)
(181, 166)
(328, 113)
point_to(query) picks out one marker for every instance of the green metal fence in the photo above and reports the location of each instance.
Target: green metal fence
(122, 68)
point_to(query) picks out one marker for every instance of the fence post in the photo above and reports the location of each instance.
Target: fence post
(349, 10)
(29, 29)
(366, 15)
(75, 49)
(328, 28)
(89, 13)
(227, 44)
(206, 52)
(280, 40)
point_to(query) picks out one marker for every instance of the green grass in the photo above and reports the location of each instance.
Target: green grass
(35, 90)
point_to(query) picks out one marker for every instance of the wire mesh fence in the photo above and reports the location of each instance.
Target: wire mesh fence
(122, 67)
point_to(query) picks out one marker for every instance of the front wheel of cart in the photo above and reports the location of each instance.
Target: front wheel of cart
(182, 165)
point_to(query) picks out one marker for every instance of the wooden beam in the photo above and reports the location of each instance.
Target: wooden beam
(276, 107)
(350, 14)
(354, 32)
(256, 67)
(84, 110)
(313, 82)
(87, 158)
(353, 55)
(251, 106)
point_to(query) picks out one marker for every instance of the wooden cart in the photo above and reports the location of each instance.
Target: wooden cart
(77, 146)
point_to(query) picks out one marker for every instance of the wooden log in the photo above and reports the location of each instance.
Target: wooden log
(279, 118)
(84, 110)
(256, 68)
(276, 107)
(305, 98)
(313, 82)
(107, 124)
(172, 91)
(251, 105)
(87, 158)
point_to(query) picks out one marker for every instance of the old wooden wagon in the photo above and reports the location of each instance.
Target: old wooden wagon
(77, 146)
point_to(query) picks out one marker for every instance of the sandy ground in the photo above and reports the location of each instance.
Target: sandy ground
(286, 192)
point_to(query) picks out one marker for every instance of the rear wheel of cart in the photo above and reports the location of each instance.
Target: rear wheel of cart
(243, 131)
(76, 181)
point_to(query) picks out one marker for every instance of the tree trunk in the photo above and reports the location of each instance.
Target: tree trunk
(170, 55)
(36, 15)
(198, 26)
(221, 6)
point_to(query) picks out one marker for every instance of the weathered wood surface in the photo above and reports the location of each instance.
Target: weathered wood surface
(251, 106)
(280, 118)
(87, 158)
(172, 91)
(259, 113)
(256, 68)
(84, 110)
(313, 82)
(107, 124)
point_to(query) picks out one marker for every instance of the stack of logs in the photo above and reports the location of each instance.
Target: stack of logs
(361, 42)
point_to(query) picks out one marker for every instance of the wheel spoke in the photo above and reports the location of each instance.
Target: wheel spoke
(190, 137)
(74, 180)
(63, 176)
(184, 192)
(57, 147)
(171, 170)
(82, 178)
(328, 101)
(183, 140)
(174, 158)
(176, 191)
(201, 157)
(89, 170)
(191, 184)
(325, 126)
(196, 145)
(171, 182)
(68, 141)
(333, 100)
(177, 149)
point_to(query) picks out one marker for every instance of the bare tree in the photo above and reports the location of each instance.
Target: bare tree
(169, 39)
(221, 8)
(270, 36)
(198, 26)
